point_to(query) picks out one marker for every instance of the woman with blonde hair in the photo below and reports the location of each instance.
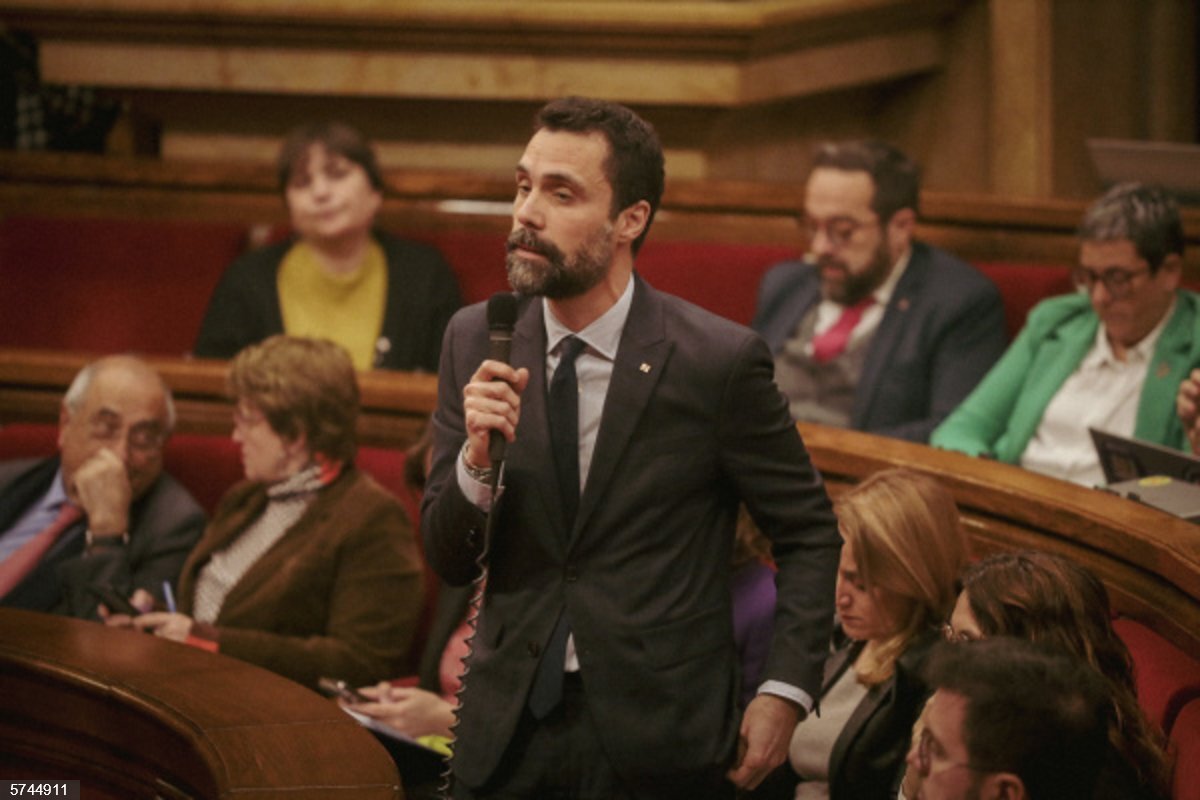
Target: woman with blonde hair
(1049, 598)
(903, 548)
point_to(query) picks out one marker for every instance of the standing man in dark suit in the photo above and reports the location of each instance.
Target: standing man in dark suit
(873, 330)
(101, 511)
(604, 663)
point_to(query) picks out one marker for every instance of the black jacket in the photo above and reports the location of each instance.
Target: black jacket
(422, 295)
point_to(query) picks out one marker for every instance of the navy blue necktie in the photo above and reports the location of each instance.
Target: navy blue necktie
(563, 413)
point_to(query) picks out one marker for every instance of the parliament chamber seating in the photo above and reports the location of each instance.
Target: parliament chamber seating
(87, 272)
(143, 286)
(1150, 562)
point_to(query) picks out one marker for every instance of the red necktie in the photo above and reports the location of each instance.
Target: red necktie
(832, 343)
(26, 557)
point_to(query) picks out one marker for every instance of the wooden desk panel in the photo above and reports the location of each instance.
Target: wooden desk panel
(132, 715)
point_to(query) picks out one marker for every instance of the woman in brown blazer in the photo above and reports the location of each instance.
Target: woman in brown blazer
(309, 568)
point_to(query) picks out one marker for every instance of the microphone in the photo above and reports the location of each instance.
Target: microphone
(501, 317)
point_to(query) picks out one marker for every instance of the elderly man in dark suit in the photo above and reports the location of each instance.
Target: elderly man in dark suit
(604, 664)
(873, 330)
(101, 511)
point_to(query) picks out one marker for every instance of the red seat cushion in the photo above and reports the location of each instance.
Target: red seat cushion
(1185, 742)
(1167, 678)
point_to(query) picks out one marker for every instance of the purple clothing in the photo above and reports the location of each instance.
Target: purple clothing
(753, 589)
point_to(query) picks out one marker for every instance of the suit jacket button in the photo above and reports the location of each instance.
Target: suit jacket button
(572, 573)
(535, 649)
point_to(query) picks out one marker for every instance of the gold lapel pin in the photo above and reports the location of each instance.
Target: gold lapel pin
(645, 368)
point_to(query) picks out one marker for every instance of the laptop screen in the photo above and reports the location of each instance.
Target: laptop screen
(1125, 459)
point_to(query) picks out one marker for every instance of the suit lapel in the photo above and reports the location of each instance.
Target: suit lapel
(1057, 357)
(1169, 364)
(889, 334)
(641, 360)
(25, 490)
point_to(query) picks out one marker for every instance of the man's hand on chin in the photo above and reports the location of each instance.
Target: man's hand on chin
(763, 741)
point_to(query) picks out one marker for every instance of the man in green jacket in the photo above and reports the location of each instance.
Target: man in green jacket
(1111, 357)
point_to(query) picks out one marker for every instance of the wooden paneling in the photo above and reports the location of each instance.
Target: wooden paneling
(132, 715)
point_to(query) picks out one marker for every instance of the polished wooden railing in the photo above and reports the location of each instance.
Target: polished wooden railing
(395, 405)
(131, 715)
(979, 228)
(1150, 560)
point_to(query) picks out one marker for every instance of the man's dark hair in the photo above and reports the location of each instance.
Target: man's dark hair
(634, 167)
(896, 177)
(1146, 215)
(1031, 710)
(336, 137)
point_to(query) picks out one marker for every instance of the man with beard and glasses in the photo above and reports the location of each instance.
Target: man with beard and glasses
(1010, 720)
(873, 330)
(604, 663)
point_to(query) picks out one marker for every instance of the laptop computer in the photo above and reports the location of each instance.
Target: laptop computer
(1149, 473)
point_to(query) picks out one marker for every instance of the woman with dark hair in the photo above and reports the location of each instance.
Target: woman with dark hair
(385, 300)
(308, 568)
(1049, 598)
(903, 547)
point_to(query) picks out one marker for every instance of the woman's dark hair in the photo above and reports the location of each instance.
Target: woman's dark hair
(635, 160)
(1048, 598)
(336, 137)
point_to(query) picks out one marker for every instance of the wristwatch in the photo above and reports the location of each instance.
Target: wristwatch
(481, 474)
(91, 540)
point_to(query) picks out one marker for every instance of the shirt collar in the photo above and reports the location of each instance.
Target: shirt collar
(1141, 353)
(602, 336)
(58, 491)
(883, 294)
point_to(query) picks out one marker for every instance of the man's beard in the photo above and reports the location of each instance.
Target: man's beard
(559, 277)
(856, 286)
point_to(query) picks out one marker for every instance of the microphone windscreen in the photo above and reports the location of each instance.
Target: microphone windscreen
(502, 311)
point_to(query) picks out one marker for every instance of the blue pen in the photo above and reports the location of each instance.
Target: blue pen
(169, 596)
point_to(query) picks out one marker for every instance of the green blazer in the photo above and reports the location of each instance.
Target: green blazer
(1002, 414)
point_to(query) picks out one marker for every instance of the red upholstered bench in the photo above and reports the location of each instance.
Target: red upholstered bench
(143, 285)
(1185, 744)
(1167, 678)
(208, 465)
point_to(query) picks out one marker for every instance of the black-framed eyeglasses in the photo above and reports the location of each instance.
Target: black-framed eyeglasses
(925, 756)
(1118, 282)
(839, 230)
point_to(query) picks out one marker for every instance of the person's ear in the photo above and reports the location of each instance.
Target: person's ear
(901, 228)
(1171, 270)
(64, 418)
(1003, 786)
(298, 445)
(632, 221)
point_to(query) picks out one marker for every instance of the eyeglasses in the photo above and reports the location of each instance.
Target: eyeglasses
(925, 756)
(145, 437)
(840, 231)
(1117, 282)
(957, 637)
(247, 419)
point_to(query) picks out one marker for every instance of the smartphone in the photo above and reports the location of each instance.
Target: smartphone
(341, 690)
(117, 603)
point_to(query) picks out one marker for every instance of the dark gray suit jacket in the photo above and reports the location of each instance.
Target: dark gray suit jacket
(692, 424)
(163, 525)
(940, 334)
